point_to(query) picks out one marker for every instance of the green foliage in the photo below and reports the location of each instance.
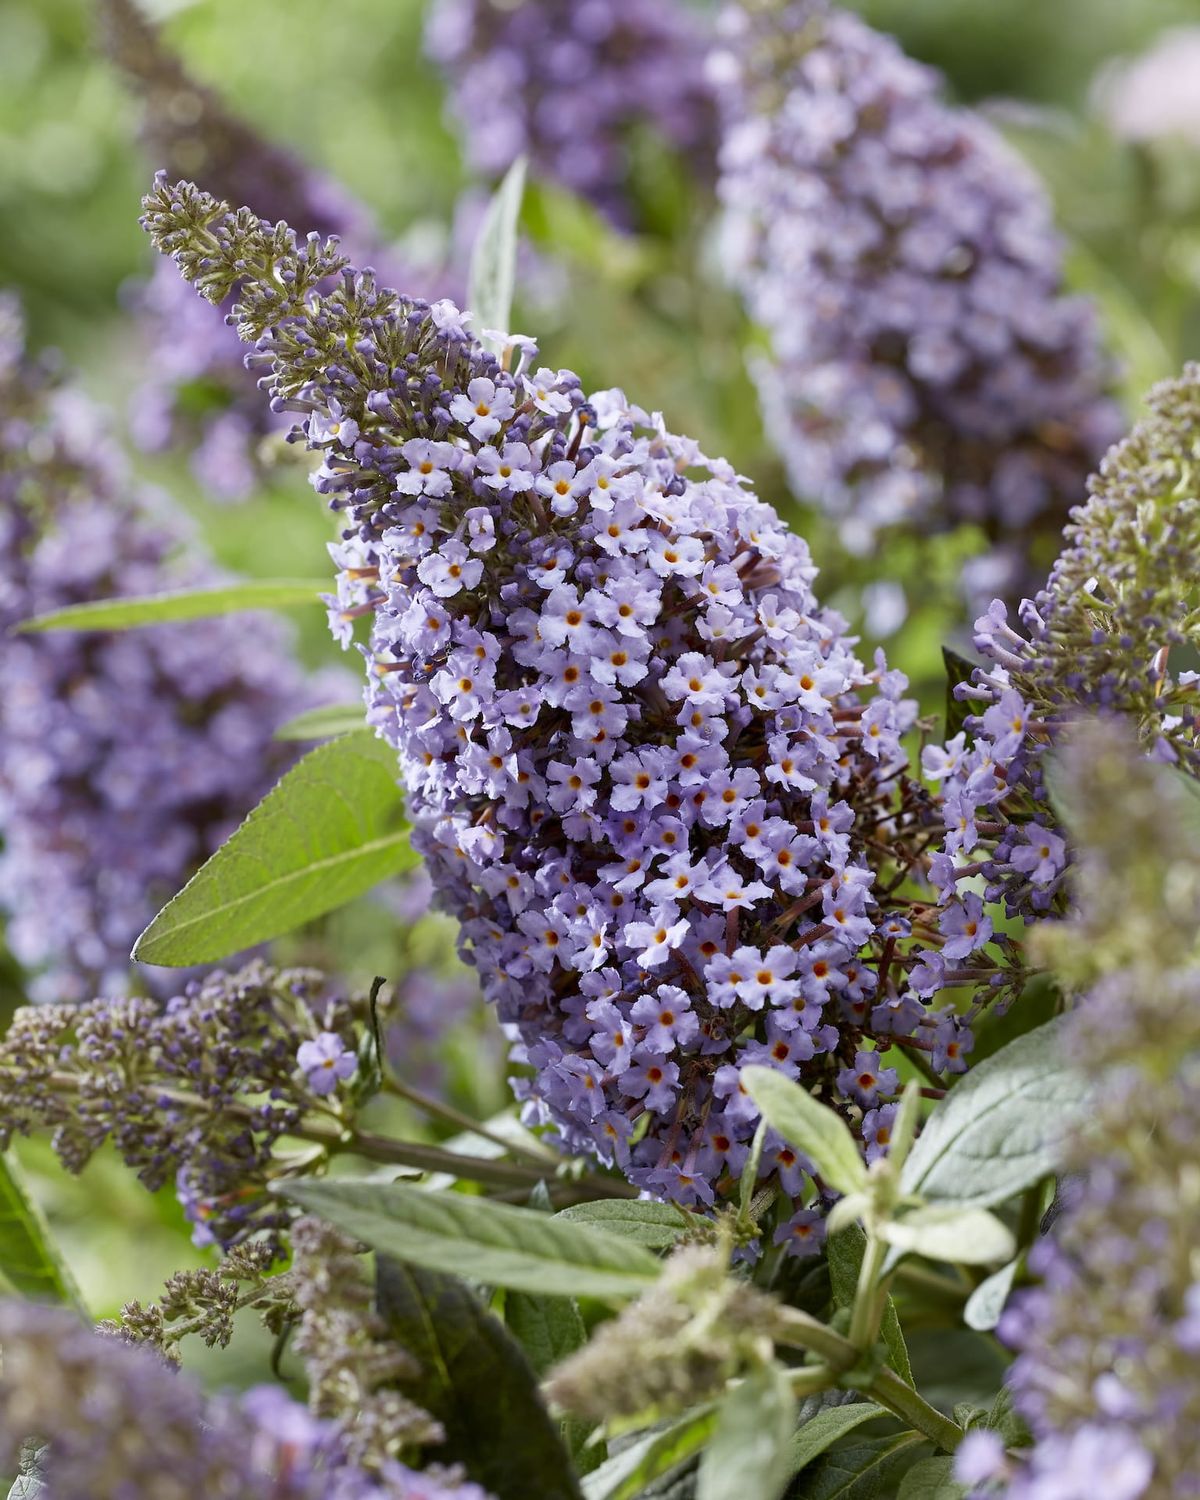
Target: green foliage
(651, 1456)
(958, 670)
(863, 1469)
(986, 1302)
(477, 1383)
(487, 1242)
(184, 604)
(966, 1236)
(811, 1127)
(658, 1226)
(827, 1426)
(333, 828)
(749, 1451)
(323, 723)
(494, 259)
(1002, 1128)
(29, 1258)
(931, 1479)
(844, 1253)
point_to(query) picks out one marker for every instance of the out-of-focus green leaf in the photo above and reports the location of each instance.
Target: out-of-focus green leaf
(866, 1469)
(481, 1240)
(29, 1259)
(651, 1457)
(958, 669)
(931, 1479)
(477, 1383)
(323, 723)
(986, 1302)
(184, 604)
(549, 1329)
(967, 1236)
(749, 1450)
(494, 259)
(333, 828)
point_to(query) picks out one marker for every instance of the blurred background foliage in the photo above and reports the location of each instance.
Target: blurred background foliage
(347, 87)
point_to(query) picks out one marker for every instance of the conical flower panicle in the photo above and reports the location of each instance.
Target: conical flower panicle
(644, 764)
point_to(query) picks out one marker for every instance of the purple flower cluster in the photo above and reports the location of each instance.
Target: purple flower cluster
(1099, 638)
(112, 1422)
(198, 1091)
(125, 759)
(566, 82)
(1106, 1371)
(644, 765)
(199, 393)
(925, 365)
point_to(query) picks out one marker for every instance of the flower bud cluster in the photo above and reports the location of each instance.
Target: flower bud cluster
(1099, 637)
(644, 765)
(200, 1090)
(567, 82)
(199, 392)
(115, 1423)
(126, 758)
(1106, 1373)
(925, 365)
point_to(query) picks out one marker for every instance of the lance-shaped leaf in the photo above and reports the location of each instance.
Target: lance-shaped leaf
(332, 828)
(29, 1258)
(812, 1128)
(652, 1456)
(1003, 1127)
(492, 275)
(656, 1225)
(477, 1383)
(970, 1236)
(496, 1243)
(931, 1479)
(750, 1448)
(323, 723)
(182, 604)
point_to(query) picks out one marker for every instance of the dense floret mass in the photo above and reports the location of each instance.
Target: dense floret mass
(125, 758)
(110, 1422)
(1109, 632)
(924, 365)
(645, 766)
(1106, 1371)
(567, 82)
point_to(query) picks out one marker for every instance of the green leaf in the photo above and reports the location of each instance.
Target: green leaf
(493, 268)
(844, 1255)
(812, 1128)
(867, 1469)
(184, 604)
(931, 1479)
(549, 1329)
(481, 1240)
(1003, 1127)
(986, 1302)
(651, 1456)
(477, 1383)
(655, 1225)
(323, 723)
(750, 1446)
(824, 1429)
(332, 828)
(970, 1236)
(29, 1259)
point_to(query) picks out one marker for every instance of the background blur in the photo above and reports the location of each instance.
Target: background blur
(347, 88)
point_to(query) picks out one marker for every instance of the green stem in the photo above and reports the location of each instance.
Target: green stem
(868, 1304)
(899, 1397)
(811, 1380)
(541, 1156)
